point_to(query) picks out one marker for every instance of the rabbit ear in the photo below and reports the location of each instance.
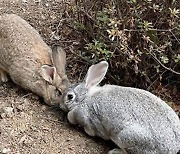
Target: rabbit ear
(59, 59)
(96, 74)
(48, 73)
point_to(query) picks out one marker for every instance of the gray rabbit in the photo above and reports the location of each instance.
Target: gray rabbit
(29, 62)
(135, 119)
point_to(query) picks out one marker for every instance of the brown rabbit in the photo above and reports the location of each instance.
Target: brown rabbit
(29, 62)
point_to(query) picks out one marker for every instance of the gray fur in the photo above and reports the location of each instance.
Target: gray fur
(135, 119)
(26, 58)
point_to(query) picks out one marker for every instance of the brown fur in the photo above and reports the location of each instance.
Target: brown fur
(22, 53)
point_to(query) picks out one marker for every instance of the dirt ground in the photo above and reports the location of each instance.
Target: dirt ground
(27, 126)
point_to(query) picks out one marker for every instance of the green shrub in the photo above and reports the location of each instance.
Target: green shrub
(139, 38)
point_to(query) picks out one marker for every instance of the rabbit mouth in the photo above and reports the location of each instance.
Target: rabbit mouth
(70, 106)
(63, 107)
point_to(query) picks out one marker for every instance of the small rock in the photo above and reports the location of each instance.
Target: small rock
(22, 114)
(34, 97)
(56, 37)
(6, 150)
(3, 115)
(22, 139)
(28, 141)
(20, 107)
(44, 107)
(9, 111)
(24, 1)
(37, 1)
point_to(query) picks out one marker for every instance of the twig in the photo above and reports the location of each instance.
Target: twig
(142, 30)
(44, 151)
(175, 37)
(67, 41)
(86, 13)
(148, 88)
(52, 120)
(113, 78)
(92, 6)
(29, 94)
(167, 68)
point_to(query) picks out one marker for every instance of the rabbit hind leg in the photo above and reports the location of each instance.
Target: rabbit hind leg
(135, 139)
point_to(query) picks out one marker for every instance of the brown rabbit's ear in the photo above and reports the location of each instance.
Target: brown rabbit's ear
(59, 59)
(48, 73)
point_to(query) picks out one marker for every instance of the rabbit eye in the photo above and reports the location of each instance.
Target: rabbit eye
(59, 92)
(71, 96)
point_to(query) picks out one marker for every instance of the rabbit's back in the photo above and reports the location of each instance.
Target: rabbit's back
(137, 117)
(22, 53)
(20, 42)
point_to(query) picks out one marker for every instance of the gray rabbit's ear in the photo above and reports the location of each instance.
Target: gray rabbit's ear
(96, 74)
(59, 59)
(48, 73)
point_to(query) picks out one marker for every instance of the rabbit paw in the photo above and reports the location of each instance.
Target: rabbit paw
(117, 151)
(3, 76)
(89, 131)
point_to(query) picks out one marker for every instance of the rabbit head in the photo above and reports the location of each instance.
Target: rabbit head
(55, 77)
(75, 94)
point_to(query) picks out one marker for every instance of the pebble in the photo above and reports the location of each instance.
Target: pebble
(24, 1)
(6, 150)
(7, 112)
(44, 107)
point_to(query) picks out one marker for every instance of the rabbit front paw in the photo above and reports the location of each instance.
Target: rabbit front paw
(117, 151)
(71, 117)
(89, 131)
(3, 76)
